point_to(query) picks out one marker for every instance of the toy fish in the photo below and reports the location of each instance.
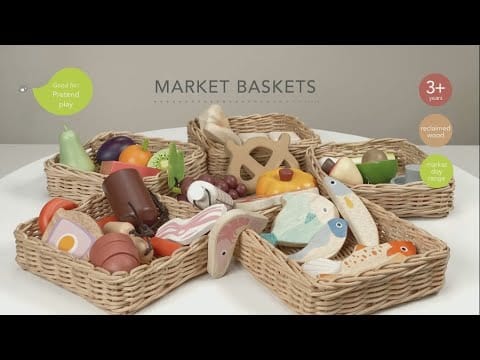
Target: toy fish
(184, 231)
(325, 243)
(363, 258)
(301, 217)
(224, 235)
(354, 211)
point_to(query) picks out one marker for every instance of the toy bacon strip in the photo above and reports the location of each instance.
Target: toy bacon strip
(184, 231)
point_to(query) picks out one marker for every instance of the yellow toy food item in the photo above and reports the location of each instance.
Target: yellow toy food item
(283, 180)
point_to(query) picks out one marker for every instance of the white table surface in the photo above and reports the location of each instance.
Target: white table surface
(23, 193)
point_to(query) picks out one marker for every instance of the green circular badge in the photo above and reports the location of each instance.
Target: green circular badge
(68, 91)
(436, 171)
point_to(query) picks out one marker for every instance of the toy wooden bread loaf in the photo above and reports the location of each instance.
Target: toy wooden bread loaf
(72, 231)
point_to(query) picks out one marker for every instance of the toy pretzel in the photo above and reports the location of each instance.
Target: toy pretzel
(240, 156)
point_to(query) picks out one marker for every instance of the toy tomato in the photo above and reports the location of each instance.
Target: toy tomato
(50, 208)
(136, 154)
(283, 180)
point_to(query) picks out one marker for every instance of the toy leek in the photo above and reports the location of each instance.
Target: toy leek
(176, 168)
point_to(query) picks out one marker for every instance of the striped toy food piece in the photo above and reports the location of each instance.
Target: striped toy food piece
(185, 231)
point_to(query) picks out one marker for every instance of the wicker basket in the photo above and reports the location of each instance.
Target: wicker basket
(410, 200)
(77, 185)
(218, 159)
(420, 275)
(121, 293)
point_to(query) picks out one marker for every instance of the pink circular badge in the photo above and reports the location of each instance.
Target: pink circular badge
(435, 89)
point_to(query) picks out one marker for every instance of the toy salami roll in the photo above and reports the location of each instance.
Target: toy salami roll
(129, 198)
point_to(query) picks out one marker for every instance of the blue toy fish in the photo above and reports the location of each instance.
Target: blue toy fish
(301, 217)
(325, 243)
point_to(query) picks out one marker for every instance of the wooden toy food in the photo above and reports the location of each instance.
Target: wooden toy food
(275, 135)
(258, 203)
(325, 243)
(412, 174)
(159, 160)
(376, 168)
(185, 231)
(224, 235)
(302, 216)
(357, 159)
(50, 208)
(136, 154)
(240, 157)
(73, 232)
(354, 211)
(227, 183)
(363, 258)
(111, 149)
(72, 152)
(144, 248)
(109, 167)
(164, 247)
(105, 220)
(246, 136)
(278, 181)
(115, 252)
(129, 198)
(373, 155)
(119, 227)
(344, 170)
(176, 167)
(215, 125)
(213, 114)
(203, 194)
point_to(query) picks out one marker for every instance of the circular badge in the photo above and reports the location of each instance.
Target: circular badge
(435, 130)
(435, 89)
(436, 171)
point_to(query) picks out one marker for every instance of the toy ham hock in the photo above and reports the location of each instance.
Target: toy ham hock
(130, 200)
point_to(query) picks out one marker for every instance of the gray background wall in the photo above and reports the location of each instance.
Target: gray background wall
(364, 90)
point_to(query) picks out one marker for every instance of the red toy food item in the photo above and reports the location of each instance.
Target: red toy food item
(106, 219)
(109, 167)
(50, 208)
(164, 247)
(115, 252)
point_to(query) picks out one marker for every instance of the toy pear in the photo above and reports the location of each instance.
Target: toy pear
(72, 152)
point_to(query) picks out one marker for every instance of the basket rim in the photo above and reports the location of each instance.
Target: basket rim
(312, 163)
(98, 272)
(195, 126)
(380, 272)
(53, 161)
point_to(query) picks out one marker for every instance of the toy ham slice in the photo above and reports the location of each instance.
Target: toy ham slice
(224, 236)
(109, 167)
(184, 231)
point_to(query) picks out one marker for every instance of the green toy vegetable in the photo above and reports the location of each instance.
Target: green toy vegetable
(72, 152)
(176, 168)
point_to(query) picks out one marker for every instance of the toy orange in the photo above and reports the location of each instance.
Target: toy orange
(136, 154)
